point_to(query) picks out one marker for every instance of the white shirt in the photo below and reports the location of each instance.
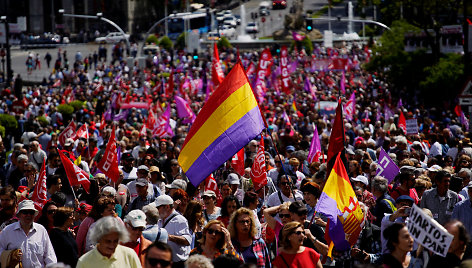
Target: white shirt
(133, 193)
(274, 199)
(178, 226)
(36, 246)
(132, 175)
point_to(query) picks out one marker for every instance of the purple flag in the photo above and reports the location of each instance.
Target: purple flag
(118, 154)
(309, 88)
(350, 107)
(121, 115)
(464, 121)
(400, 103)
(297, 37)
(343, 85)
(388, 113)
(315, 147)
(386, 167)
(184, 110)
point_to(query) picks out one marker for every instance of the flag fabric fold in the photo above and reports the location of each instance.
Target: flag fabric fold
(68, 132)
(109, 162)
(217, 74)
(339, 204)
(258, 171)
(237, 162)
(402, 123)
(228, 121)
(336, 139)
(315, 147)
(75, 174)
(350, 107)
(183, 110)
(39, 196)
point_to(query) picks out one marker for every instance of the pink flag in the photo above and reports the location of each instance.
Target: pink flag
(258, 170)
(309, 88)
(342, 84)
(163, 128)
(350, 107)
(286, 118)
(387, 113)
(315, 147)
(464, 121)
(184, 110)
(297, 37)
(39, 196)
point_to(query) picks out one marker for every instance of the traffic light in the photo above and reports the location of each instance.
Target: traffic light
(309, 25)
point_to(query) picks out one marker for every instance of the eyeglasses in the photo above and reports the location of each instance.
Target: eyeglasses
(28, 212)
(299, 232)
(161, 262)
(52, 211)
(137, 228)
(213, 231)
(29, 170)
(284, 215)
(284, 183)
(174, 165)
(245, 222)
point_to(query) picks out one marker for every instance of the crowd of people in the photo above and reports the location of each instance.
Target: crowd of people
(154, 217)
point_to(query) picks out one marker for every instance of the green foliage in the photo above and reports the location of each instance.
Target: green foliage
(223, 43)
(152, 39)
(370, 31)
(77, 105)
(445, 75)
(8, 121)
(2, 131)
(65, 109)
(42, 120)
(308, 45)
(165, 43)
(180, 42)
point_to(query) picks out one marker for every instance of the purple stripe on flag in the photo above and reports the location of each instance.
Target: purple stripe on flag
(226, 145)
(386, 167)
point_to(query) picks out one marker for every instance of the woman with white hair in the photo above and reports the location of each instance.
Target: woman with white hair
(198, 261)
(107, 233)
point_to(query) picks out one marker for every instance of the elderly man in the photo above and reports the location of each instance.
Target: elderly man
(135, 223)
(143, 173)
(36, 155)
(284, 193)
(18, 173)
(440, 200)
(274, 173)
(32, 239)
(384, 203)
(466, 175)
(143, 198)
(176, 225)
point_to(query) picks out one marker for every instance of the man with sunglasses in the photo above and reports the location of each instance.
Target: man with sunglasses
(31, 238)
(285, 193)
(158, 254)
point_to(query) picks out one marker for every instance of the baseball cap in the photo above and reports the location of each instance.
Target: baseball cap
(127, 156)
(362, 179)
(290, 148)
(297, 207)
(164, 200)
(68, 142)
(154, 169)
(209, 193)
(141, 182)
(143, 167)
(27, 205)
(177, 184)
(402, 198)
(233, 178)
(136, 218)
(434, 168)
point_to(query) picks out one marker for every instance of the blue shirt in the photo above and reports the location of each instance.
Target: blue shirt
(463, 211)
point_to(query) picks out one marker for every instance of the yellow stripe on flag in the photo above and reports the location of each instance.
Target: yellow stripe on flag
(78, 160)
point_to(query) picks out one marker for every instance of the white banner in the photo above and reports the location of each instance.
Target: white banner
(428, 232)
(411, 127)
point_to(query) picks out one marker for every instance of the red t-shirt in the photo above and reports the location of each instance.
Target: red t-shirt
(306, 259)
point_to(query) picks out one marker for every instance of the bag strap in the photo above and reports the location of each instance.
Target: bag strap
(280, 197)
(158, 235)
(168, 220)
(283, 259)
(391, 205)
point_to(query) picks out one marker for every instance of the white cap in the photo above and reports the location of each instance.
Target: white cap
(164, 200)
(136, 218)
(68, 142)
(434, 168)
(27, 205)
(209, 193)
(362, 179)
(233, 178)
(177, 184)
(110, 190)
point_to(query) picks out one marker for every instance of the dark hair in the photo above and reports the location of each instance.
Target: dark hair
(224, 204)
(442, 174)
(391, 234)
(463, 233)
(249, 198)
(59, 198)
(227, 261)
(193, 208)
(8, 190)
(43, 219)
(100, 206)
(312, 188)
(159, 245)
(52, 180)
(62, 215)
(404, 176)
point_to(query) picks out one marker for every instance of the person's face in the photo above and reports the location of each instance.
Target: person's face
(285, 216)
(29, 171)
(51, 211)
(164, 211)
(141, 190)
(352, 166)
(231, 207)
(277, 162)
(120, 178)
(213, 234)
(456, 244)
(443, 184)
(134, 232)
(127, 163)
(297, 237)
(298, 217)
(6, 201)
(234, 188)
(174, 166)
(226, 190)
(157, 258)
(411, 181)
(243, 224)
(58, 185)
(310, 198)
(26, 217)
(208, 201)
(294, 166)
(405, 241)
(109, 210)
(108, 243)
(142, 173)
(359, 195)
(285, 184)
(21, 164)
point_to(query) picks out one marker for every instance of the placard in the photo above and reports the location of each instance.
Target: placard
(411, 127)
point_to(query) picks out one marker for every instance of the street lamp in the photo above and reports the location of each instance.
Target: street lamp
(7, 44)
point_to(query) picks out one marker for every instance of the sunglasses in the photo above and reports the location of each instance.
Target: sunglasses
(284, 183)
(28, 212)
(299, 232)
(52, 211)
(154, 262)
(137, 228)
(213, 231)
(284, 215)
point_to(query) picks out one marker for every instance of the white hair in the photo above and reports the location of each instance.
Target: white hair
(198, 261)
(107, 225)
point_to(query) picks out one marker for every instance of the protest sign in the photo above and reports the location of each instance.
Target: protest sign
(428, 232)
(411, 127)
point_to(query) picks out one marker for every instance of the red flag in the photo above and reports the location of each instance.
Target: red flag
(109, 162)
(170, 84)
(285, 76)
(210, 184)
(458, 110)
(258, 170)
(143, 132)
(151, 123)
(217, 75)
(82, 132)
(336, 140)
(39, 196)
(75, 174)
(68, 132)
(103, 123)
(402, 122)
(237, 162)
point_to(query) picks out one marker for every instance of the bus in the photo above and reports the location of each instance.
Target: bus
(196, 21)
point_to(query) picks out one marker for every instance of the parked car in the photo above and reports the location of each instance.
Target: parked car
(113, 37)
(251, 27)
(228, 32)
(213, 36)
(230, 21)
(279, 4)
(238, 19)
(264, 8)
(151, 49)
